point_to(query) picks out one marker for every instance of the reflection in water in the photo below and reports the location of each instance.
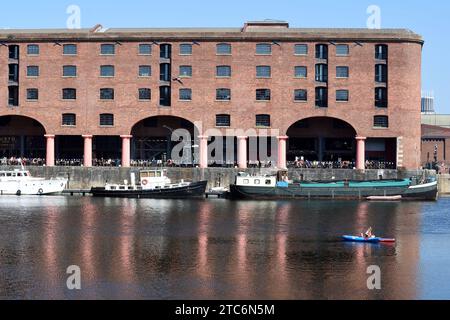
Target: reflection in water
(216, 249)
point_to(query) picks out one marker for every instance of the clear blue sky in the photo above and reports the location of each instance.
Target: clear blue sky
(428, 18)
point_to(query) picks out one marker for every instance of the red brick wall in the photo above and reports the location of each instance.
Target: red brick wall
(404, 89)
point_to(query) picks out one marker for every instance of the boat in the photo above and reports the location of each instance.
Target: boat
(20, 182)
(277, 186)
(152, 184)
(367, 240)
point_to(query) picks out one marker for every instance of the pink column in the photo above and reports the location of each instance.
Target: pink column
(126, 151)
(203, 152)
(50, 150)
(361, 153)
(87, 150)
(282, 152)
(242, 152)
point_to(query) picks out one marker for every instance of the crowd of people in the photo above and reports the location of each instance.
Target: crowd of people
(301, 163)
(13, 161)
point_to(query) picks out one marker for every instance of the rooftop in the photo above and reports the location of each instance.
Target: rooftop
(253, 30)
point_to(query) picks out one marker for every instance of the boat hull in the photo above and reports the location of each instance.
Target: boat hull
(194, 190)
(296, 191)
(32, 187)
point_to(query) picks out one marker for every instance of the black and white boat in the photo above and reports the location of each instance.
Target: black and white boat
(153, 184)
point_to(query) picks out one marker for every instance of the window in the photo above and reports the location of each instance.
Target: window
(107, 71)
(32, 94)
(342, 72)
(69, 71)
(223, 71)
(145, 49)
(300, 95)
(145, 94)
(301, 72)
(342, 95)
(262, 94)
(381, 73)
(13, 52)
(342, 50)
(33, 71)
(69, 94)
(301, 49)
(223, 120)
(165, 51)
(13, 70)
(223, 94)
(145, 71)
(165, 71)
(165, 96)
(186, 49)
(263, 120)
(381, 52)
(381, 122)
(263, 72)
(185, 94)
(70, 49)
(106, 120)
(33, 50)
(69, 119)
(13, 96)
(185, 71)
(321, 73)
(264, 48)
(381, 99)
(107, 94)
(322, 51)
(321, 97)
(223, 49)
(108, 49)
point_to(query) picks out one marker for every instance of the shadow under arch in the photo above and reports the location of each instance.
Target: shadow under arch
(321, 139)
(155, 137)
(22, 136)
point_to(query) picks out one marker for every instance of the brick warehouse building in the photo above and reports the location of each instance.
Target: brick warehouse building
(349, 94)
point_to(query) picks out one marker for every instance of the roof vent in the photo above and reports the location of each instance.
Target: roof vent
(265, 24)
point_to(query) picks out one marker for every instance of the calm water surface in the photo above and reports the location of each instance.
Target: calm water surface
(216, 249)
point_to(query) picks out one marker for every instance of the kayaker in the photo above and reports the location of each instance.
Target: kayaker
(369, 234)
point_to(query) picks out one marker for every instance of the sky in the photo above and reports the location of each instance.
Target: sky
(431, 19)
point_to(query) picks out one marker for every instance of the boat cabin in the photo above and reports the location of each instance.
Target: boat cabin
(14, 175)
(257, 181)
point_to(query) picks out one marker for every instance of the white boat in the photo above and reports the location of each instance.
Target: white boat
(20, 182)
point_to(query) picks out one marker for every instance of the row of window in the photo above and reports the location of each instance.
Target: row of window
(224, 94)
(225, 71)
(381, 51)
(222, 120)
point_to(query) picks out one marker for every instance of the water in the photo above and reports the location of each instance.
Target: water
(216, 249)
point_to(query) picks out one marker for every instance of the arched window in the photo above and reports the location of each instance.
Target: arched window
(381, 52)
(322, 51)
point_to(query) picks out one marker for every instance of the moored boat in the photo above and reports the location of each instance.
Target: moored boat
(278, 187)
(153, 184)
(21, 182)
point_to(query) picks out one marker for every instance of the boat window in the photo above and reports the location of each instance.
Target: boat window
(151, 175)
(26, 174)
(122, 188)
(246, 181)
(257, 181)
(144, 174)
(158, 174)
(158, 188)
(9, 175)
(268, 182)
(19, 174)
(113, 188)
(2, 174)
(130, 188)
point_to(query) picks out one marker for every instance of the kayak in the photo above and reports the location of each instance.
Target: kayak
(367, 240)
